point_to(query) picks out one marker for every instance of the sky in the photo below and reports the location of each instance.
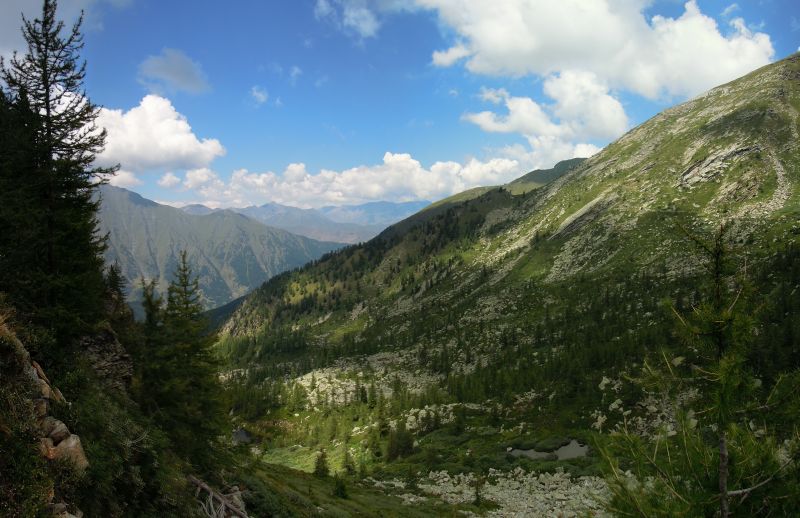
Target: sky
(332, 102)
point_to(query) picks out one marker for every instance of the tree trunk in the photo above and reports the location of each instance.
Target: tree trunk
(724, 511)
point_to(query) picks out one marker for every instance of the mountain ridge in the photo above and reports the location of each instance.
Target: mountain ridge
(344, 224)
(232, 253)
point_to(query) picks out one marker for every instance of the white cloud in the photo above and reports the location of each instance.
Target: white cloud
(524, 116)
(354, 17)
(361, 20)
(125, 179)
(584, 104)
(169, 180)
(583, 109)
(259, 95)
(202, 177)
(323, 9)
(154, 137)
(399, 177)
(172, 71)
(446, 58)
(662, 56)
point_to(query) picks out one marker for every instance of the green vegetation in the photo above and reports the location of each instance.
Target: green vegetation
(725, 452)
(144, 407)
(503, 320)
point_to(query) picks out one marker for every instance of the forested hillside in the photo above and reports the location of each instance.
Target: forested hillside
(479, 336)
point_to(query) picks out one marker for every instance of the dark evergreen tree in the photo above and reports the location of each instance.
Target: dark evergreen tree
(321, 468)
(61, 257)
(179, 384)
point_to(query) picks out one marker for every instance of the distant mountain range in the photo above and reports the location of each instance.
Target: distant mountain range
(343, 224)
(231, 253)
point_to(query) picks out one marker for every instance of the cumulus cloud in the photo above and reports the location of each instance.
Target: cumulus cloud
(582, 110)
(169, 180)
(154, 137)
(202, 177)
(172, 71)
(398, 177)
(613, 40)
(125, 179)
(448, 57)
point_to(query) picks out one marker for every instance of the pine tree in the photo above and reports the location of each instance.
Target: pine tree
(63, 254)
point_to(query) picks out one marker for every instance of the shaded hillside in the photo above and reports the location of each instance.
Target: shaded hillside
(232, 254)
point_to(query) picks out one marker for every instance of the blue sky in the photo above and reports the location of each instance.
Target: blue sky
(316, 102)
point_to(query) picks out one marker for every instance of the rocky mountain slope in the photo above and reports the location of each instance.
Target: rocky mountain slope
(493, 327)
(232, 254)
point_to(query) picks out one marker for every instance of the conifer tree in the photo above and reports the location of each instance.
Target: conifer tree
(179, 382)
(726, 455)
(63, 252)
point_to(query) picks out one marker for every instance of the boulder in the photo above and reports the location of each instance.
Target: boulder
(59, 432)
(47, 424)
(71, 449)
(40, 371)
(47, 448)
(57, 396)
(44, 389)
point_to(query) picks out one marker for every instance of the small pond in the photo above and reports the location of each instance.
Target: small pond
(573, 450)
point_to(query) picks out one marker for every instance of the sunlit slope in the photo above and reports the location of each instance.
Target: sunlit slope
(731, 153)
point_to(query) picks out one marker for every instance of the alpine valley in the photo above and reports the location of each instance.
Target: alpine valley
(479, 356)
(617, 335)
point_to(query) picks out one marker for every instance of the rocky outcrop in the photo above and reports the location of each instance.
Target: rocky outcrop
(108, 358)
(56, 442)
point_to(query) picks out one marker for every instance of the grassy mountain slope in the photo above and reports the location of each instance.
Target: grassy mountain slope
(231, 253)
(492, 323)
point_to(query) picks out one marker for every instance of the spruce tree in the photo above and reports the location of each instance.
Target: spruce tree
(62, 256)
(179, 384)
